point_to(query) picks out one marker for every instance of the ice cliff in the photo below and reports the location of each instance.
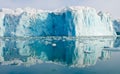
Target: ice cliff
(70, 21)
(117, 26)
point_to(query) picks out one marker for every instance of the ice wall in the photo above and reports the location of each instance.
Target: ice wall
(70, 21)
(117, 26)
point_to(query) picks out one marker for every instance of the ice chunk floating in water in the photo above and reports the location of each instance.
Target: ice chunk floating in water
(70, 21)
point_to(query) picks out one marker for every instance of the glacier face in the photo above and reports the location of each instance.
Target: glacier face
(117, 26)
(71, 21)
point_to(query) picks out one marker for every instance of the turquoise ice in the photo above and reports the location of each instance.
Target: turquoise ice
(69, 21)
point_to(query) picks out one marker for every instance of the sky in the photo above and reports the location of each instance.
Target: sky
(111, 6)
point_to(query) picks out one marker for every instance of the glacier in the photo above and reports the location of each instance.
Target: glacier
(117, 26)
(69, 21)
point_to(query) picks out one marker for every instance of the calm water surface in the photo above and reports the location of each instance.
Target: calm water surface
(60, 55)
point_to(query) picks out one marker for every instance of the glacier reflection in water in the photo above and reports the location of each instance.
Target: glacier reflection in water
(72, 52)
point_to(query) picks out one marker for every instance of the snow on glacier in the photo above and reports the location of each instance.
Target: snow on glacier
(70, 21)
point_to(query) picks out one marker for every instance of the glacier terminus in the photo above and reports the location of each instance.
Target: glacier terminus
(69, 21)
(71, 40)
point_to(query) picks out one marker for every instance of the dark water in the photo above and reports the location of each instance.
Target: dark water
(60, 55)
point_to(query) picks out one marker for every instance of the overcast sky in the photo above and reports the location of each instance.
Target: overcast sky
(111, 6)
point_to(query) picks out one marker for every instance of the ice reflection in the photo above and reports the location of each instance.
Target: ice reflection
(77, 53)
